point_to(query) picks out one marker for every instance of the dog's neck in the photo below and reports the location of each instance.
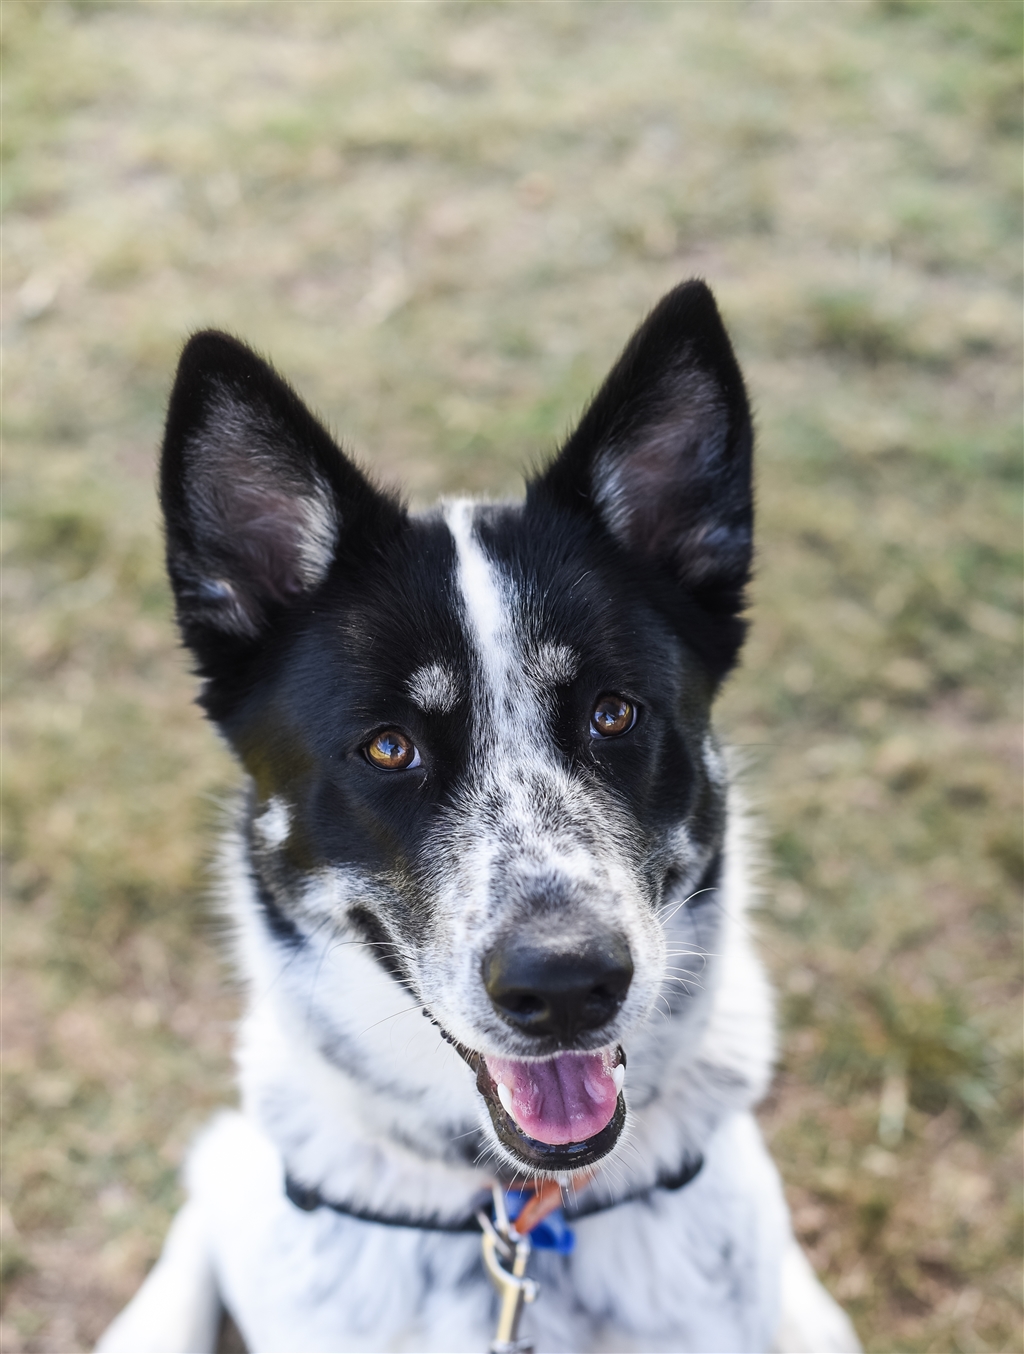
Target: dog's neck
(375, 1110)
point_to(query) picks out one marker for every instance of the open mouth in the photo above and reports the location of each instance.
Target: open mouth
(556, 1114)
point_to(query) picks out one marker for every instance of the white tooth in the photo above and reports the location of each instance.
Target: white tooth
(619, 1076)
(505, 1096)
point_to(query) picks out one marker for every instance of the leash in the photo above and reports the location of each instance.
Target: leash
(506, 1251)
(518, 1222)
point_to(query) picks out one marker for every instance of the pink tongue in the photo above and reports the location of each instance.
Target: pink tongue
(567, 1098)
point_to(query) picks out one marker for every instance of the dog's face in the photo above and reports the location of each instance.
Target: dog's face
(479, 739)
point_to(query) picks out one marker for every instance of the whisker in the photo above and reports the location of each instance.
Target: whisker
(739, 918)
(683, 983)
(713, 888)
(393, 1016)
(468, 1134)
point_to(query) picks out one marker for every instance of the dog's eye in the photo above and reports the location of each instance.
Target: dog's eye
(392, 751)
(611, 716)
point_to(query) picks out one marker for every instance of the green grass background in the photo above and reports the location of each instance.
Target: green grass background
(442, 221)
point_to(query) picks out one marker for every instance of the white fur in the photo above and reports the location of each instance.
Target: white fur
(557, 664)
(434, 687)
(811, 1319)
(274, 823)
(177, 1309)
(701, 1269)
(318, 537)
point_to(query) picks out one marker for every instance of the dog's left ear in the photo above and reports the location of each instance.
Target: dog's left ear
(662, 457)
(260, 504)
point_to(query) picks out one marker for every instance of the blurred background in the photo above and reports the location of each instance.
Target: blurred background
(442, 221)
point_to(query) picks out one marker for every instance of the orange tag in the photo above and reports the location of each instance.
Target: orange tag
(547, 1196)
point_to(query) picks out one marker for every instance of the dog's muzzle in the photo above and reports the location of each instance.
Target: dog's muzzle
(562, 1108)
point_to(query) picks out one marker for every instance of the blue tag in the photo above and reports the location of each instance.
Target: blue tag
(553, 1234)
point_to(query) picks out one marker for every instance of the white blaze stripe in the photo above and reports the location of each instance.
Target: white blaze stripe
(525, 828)
(481, 591)
(485, 599)
(521, 763)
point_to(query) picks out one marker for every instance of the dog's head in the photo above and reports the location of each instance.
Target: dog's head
(478, 739)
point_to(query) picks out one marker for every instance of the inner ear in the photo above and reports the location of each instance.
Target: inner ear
(264, 522)
(662, 484)
(259, 501)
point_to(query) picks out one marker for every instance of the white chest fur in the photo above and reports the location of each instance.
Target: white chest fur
(693, 1270)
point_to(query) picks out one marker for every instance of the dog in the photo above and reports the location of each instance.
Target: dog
(487, 886)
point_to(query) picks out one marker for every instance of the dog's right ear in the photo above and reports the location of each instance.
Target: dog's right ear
(259, 501)
(661, 462)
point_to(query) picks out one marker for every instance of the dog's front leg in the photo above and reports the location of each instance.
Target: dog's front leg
(812, 1322)
(177, 1310)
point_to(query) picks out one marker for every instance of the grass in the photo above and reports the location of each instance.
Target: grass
(442, 221)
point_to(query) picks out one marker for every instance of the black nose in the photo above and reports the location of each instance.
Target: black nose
(555, 991)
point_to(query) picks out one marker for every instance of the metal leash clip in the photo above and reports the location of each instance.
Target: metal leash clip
(505, 1256)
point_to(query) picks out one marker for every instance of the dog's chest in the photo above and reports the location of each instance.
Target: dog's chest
(687, 1271)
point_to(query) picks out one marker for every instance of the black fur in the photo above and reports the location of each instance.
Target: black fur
(240, 450)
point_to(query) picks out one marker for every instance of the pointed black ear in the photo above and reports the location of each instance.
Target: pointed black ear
(662, 458)
(258, 499)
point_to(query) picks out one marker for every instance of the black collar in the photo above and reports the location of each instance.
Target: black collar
(309, 1199)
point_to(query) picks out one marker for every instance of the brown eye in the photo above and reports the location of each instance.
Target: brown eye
(392, 751)
(611, 716)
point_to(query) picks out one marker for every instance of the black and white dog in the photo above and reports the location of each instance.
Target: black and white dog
(483, 789)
